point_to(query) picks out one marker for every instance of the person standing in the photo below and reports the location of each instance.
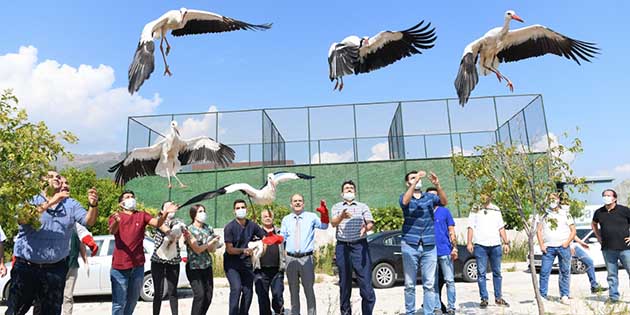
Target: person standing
(418, 239)
(39, 273)
(237, 261)
(128, 227)
(3, 268)
(555, 232)
(298, 229)
(611, 226)
(269, 272)
(353, 220)
(486, 229)
(200, 241)
(76, 249)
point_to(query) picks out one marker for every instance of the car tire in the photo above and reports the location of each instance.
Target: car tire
(147, 290)
(469, 270)
(5, 293)
(383, 276)
(577, 266)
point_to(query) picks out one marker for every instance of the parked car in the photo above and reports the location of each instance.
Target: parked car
(387, 266)
(594, 251)
(97, 281)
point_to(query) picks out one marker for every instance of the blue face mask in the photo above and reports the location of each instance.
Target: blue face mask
(241, 213)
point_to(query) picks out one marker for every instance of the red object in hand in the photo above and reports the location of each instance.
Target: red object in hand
(272, 239)
(323, 211)
(89, 241)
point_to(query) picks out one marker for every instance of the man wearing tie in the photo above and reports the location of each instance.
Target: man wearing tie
(298, 229)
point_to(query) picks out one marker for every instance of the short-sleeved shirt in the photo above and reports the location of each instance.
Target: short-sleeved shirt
(308, 222)
(486, 224)
(614, 226)
(158, 239)
(51, 243)
(202, 235)
(443, 219)
(240, 235)
(349, 230)
(554, 237)
(418, 226)
(2, 236)
(129, 240)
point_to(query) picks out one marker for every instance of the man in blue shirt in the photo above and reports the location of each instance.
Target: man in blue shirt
(446, 243)
(418, 239)
(298, 230)
(40, 267)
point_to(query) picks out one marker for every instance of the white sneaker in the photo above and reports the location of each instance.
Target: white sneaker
(565, 300)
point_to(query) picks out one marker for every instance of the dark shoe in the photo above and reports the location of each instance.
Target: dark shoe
(611, 301)
(483, 304)
(450, 312)
(501, 302)
(598, 289)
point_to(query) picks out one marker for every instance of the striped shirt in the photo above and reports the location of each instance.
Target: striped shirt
(349, 230)
(418, 226)
(158, 239)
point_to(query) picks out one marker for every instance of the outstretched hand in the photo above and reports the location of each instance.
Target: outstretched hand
(434, 179)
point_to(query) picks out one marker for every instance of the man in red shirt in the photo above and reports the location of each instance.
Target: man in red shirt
(128, 226)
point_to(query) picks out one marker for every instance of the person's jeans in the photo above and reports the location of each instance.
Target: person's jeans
(415, 256)
(269, 278)
(159, 272)
(445, 264)
(355, 256)
(483, 255)
(564, 262)
(612, 257)
(582, 256)
(202, 285)
(241, 281)
(31, 284)
(126, 286)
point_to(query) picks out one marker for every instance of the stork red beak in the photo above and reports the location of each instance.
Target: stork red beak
(518, 18)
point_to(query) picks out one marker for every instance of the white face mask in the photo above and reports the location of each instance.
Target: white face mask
(129, 203)
(348, 196)
(201, 217)
(241, 213)
(553, 205)
(607, 200)
(419, 185)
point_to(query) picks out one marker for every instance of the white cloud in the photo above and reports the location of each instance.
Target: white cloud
(625, 168)
(542, 143)
(79, 99)
(380, 151)
(206, 126)
(464, 152)
(332, 157)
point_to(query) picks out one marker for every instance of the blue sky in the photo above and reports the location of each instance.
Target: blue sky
(287, 65)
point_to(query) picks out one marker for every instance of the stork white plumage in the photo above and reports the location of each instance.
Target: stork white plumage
(166, 157)
(501, 44)
(361, 55)
(263, 196)
(179, 22)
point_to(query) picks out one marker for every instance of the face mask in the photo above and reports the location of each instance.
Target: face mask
(607, 200)
(129, 203)
(348, 196)
(419, 185)
(553, 205)
(241, 213)
(201, 217)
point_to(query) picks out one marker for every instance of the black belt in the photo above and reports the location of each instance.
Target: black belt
(44, 265)
(351, 242)
(299, 255)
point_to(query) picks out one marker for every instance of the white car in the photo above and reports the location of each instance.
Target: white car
(594, 251)
(97, 282)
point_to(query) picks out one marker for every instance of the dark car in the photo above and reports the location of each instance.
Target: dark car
(387, 266)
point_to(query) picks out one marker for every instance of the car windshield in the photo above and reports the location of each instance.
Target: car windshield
(370, 237)
(581, 233)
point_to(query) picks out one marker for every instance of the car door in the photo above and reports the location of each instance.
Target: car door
(106, 284)
(89, 276)
(594, 250)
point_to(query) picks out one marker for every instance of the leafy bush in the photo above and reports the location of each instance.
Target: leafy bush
(388, 218)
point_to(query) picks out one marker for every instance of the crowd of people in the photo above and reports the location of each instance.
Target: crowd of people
(258, 257)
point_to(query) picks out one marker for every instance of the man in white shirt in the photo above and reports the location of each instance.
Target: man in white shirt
(3, 269)
(555, 232)
(486, 229)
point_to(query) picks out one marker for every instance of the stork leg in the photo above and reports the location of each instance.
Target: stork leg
(501, 76)
(341, 85)
(336, 84)
(168, 46)
(166, 70)
(168, 177)
(181, 185)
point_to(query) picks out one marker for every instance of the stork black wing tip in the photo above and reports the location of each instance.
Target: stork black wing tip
(304, 176)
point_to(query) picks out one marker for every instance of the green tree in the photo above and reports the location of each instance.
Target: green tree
(520, 182)
(26, 150)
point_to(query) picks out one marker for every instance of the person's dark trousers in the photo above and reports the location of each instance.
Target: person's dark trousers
(355, 256)
(159, 272)
(269, 278)
(37, 282)
(202, 285)
(241, 281)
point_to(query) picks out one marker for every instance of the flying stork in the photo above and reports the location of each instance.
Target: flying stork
(180, 22)
(362, 55)
(166, 157)
(501, 44)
